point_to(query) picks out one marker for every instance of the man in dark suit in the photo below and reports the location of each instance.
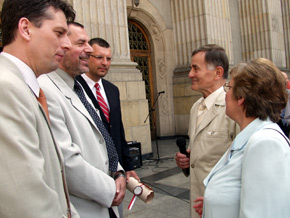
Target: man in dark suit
(99, 64)
(109, 104)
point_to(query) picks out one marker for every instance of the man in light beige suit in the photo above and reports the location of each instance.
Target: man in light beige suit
(95, 190)
(32, 181)
(211, 132)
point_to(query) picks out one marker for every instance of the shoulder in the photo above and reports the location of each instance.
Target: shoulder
(221, 99)
(267, 138)
(16, 98)
(13, 85)
(9, 73)
(111, 89)
(45, 80)
(107, 83)
(53, 83)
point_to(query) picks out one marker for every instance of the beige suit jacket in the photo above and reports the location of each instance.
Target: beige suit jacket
(91, 187)
(31, 168)
(208, 142)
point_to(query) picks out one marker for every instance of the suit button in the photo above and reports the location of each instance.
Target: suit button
(106, 162)
(192, 166)
(101, 141)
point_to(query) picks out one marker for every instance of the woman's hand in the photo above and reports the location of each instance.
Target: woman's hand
(199, 206)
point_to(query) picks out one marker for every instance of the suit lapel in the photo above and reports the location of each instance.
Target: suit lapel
(67, 90)
(43, 113)
(88, 91)
(212, 113)
(109, 94)
(92, 97)
(207, 118)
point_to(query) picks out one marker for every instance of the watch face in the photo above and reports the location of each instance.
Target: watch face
(138, 190)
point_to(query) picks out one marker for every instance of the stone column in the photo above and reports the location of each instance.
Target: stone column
(262, 30)
(195, 23)
(108, 19)
(199, 22)
(285, 5)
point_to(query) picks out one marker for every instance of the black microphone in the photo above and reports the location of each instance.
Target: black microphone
(181, 143)
(162, 92)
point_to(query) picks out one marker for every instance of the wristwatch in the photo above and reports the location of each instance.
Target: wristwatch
(118, 174)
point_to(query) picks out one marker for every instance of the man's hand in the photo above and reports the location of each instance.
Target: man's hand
(182, 160)
(131, 173)
(120, 191)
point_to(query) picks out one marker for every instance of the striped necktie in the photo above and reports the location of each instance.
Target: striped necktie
(102, 102)
(111, 149)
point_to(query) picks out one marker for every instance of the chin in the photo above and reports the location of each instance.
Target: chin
(229, 115)
(52, 68)
(84, 70)
(194, 87)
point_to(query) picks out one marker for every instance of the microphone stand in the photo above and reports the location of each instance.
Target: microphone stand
(155, 127)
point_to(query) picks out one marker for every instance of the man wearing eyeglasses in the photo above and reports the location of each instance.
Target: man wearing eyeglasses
(106, 98)
(211, 132)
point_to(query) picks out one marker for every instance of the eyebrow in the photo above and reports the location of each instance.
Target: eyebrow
(59, 28)
(81, 40)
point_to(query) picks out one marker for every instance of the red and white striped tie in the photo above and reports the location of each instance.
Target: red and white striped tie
(102, 102)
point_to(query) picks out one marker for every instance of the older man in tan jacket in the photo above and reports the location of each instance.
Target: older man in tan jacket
(211, 132)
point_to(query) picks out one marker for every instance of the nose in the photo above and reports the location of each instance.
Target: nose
(191, 73)
(65, 43)
(88, 49)
(105, 61)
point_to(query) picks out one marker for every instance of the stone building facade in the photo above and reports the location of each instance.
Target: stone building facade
(160, 36)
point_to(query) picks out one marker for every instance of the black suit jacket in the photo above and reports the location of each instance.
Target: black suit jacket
(115, 127)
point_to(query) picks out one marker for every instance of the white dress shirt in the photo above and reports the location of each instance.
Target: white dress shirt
(91, 83)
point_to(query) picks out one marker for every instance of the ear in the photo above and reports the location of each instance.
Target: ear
(240, 101)
(219, 72)
(24, 28)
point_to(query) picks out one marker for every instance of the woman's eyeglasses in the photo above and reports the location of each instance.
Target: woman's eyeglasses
(227, 87)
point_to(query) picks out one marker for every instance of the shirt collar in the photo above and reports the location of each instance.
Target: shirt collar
(26, 71)
(91, 83)
(66, 78)
(243, 137)
(211, 99)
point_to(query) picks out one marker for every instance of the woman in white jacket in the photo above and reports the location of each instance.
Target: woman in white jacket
(252, 179)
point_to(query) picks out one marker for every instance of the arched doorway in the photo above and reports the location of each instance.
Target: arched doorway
(140, 51)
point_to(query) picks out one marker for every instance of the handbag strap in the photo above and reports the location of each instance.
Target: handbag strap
(281, 134)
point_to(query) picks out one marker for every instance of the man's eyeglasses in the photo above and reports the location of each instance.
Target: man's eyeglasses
(227, 87)
(101, 58)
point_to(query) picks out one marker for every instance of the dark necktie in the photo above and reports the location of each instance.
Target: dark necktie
(111, 149)
(102, 102)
